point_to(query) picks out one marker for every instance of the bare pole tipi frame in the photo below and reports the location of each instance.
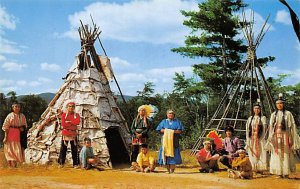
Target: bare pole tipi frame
(247, 87)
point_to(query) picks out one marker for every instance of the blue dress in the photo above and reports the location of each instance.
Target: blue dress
(175, 124)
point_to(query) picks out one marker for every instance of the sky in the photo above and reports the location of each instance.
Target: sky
(39, 41)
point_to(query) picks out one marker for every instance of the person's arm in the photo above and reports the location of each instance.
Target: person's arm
(133, 130)
(139, 161)
(294, 137)
(63, 120)
(75, 120)
(161, 128)
(5, 127)
(5, 137)
(83, 157)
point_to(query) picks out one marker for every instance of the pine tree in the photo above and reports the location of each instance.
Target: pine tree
(214, 36)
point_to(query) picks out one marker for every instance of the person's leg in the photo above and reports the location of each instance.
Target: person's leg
(168, 167)
(152, 167)
(225, 161)
(172, 168)
(213, 164)
(135, 166)
(74, 153)
(246, 175)
(204, 167)
(62, 153)
(135, 152)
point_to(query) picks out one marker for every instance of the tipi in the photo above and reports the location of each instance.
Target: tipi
(248, 86)
(87, 84)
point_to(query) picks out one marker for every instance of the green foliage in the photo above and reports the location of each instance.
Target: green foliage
(214, 30)
(33, 107)
(290, 92)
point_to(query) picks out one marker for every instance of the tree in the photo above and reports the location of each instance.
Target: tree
(12, 96)
(147, 90)
(33, 107)
(218, 42)
(3, 112)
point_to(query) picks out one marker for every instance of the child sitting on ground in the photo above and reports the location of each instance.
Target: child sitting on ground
(87, 158)
(144, 162)
(242, 167)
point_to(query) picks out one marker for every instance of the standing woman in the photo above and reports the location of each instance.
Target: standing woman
(255, 141)
(69, 122)
(283, 141)
(14, 123)
(169, 153)
(139, 130)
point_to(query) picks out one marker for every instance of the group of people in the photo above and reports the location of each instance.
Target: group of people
(268, 148)
(15, 123)
(280, 139)
(169, 153)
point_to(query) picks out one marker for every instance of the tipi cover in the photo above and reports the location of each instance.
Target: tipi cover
(87, 85)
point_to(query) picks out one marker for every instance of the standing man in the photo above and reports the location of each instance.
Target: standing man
(283, 141)
(13, 125)
(69, 122)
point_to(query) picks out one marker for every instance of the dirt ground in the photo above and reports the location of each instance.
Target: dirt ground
(34, 176)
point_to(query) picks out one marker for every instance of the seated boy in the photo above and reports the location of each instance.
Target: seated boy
(207, 161)
(87, 158)
(144, 162)
(242, 167)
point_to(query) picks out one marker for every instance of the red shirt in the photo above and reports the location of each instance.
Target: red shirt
(203, 154)
(69, 123)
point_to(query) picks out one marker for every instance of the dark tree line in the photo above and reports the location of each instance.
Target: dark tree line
(32, 106)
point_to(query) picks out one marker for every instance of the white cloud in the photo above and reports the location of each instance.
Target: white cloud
(34, 83)
(283, 17)
(117, 62)
(151, 21)
(6, 20)
(9, 47)
(12, 66)
(293, 78)
(6, 82)
(132, 77)
(44, 80)
(2, 58)
(162, 78)
(50, 67)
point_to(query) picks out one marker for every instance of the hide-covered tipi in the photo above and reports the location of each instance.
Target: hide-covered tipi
(86, 84)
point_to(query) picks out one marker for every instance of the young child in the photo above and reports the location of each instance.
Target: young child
(144, 162)
(242, 166)
(87, 158)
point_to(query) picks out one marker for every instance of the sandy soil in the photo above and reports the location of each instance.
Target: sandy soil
(53, 177)
(33, 176)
